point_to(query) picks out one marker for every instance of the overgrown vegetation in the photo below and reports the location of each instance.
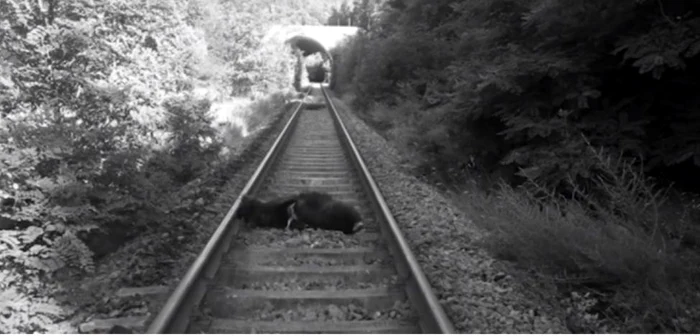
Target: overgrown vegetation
(627, 253)
(576, 105)
(115, 116)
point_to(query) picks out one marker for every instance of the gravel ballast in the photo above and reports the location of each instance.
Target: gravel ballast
(317, 261)
(338, 284)
(479, 293)
(303, 238)
(350, 312)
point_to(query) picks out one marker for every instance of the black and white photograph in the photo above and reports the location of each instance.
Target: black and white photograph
(349, 167)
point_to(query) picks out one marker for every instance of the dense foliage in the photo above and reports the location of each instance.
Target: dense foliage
(525, 80)
(72, 143)
(359, 14)
(107, 125)
(573, 99)
(116, 116)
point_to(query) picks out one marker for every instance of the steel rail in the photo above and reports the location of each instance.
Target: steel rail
(175, 314)
(433, 318)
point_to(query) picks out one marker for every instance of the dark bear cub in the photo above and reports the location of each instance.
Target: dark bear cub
(321, 211)
(271, 214)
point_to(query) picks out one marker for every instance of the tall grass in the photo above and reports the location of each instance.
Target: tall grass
(612, 242)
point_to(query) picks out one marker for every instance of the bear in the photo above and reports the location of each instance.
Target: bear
(321, 211)
(271, 214)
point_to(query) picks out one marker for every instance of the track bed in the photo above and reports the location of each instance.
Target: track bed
(314, 281)
(309, 281)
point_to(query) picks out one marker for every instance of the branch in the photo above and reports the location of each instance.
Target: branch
(52, 10)
(663, 13)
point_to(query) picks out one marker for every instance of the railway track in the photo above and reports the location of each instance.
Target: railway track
(273, 281)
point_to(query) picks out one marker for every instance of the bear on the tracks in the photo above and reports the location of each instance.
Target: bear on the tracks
(320, 211)
(271, 214)
(308, 209)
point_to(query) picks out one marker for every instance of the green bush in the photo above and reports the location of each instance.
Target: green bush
(100, 128)
(261, 109)
(622, 249)
(524, 80)
(193, 141)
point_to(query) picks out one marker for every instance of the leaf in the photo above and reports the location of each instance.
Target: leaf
(31, 234)
(9, 238)
(37, 249)
(66, 212)
(693, 49)
(46, 184)
(48, 309)
(683, 157)
(42, 320)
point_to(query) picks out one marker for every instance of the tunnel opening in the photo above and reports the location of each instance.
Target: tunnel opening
(317, 68)
(314, 62)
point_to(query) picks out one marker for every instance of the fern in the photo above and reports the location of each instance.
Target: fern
(32, 206)
(66, 250)
(74, 252)
(37, 257)
(41, 258)
(9, 241)
(30, 235)
(23, 311)
(665, 46)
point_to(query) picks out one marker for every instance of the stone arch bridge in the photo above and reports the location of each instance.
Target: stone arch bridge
(310, 39)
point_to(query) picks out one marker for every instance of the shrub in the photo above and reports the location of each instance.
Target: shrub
(193, 141)
(345, 61)
(537, 74)
(260, 110)
(301, 74)
(621, 248)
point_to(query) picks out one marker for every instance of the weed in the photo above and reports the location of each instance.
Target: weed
(611, 242)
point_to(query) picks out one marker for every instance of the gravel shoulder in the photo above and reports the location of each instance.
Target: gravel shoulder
(479, 293)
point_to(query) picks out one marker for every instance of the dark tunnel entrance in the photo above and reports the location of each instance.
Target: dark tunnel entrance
(314, 62)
